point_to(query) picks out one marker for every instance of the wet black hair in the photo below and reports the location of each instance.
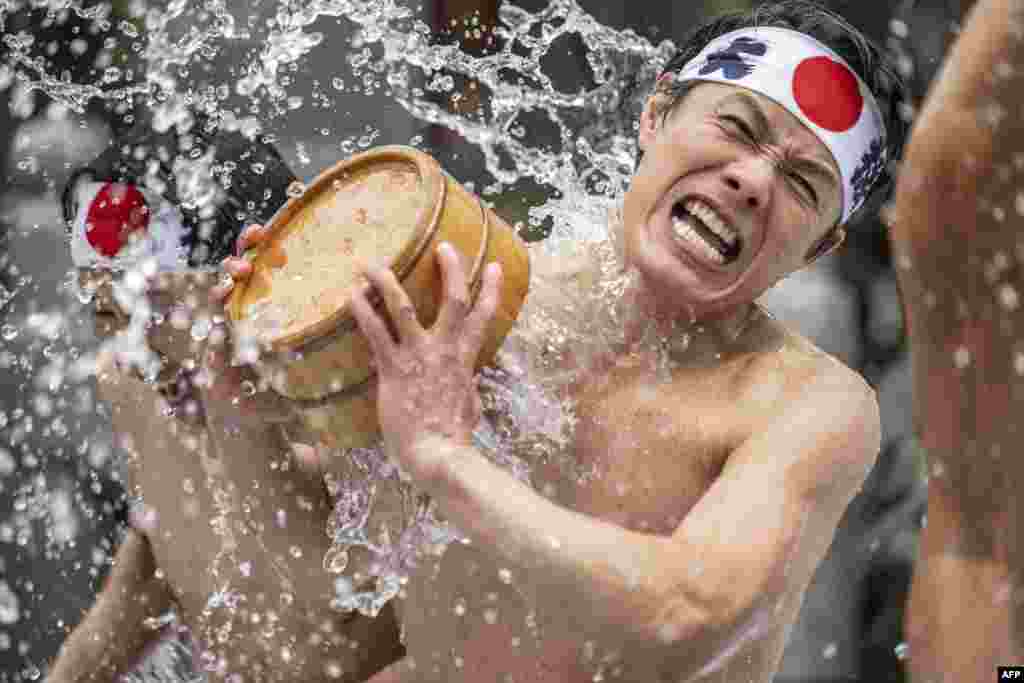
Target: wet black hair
(871, 63)
(245, 181)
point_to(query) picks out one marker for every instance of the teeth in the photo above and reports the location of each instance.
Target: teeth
(687, 233)
(711, 219)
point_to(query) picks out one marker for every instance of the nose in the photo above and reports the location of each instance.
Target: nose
(749, 181)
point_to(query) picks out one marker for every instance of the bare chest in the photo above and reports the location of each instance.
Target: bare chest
(645, 446)
(643, 451)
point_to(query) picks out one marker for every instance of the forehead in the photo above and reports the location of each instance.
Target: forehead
(784, 127)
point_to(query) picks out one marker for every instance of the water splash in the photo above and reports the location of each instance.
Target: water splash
(585, 162)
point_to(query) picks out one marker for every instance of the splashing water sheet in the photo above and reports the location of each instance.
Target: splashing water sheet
(577, 146)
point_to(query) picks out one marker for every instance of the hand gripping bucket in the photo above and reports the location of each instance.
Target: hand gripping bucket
(391, 205)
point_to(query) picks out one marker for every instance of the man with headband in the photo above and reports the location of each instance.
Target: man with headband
(702, 454)
(227, 544)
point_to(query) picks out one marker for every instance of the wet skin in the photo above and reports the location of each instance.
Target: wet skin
(225, 507)
(721, 486)
(956, 242)
(766, 174)
(708, 499)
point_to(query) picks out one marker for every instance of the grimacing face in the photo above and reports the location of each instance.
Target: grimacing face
(732, 194)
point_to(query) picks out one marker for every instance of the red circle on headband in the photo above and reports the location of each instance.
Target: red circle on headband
(115, 213)
(828, 94)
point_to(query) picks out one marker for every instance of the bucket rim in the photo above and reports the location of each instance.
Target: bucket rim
(432, 180)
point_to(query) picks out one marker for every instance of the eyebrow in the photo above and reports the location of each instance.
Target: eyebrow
(808, 164)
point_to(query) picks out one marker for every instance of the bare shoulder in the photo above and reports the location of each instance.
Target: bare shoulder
(807, 398)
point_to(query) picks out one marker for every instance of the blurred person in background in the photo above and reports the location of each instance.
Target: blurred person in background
(212, 535)
(955, 236)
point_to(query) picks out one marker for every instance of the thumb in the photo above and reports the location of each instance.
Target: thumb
(307, 458)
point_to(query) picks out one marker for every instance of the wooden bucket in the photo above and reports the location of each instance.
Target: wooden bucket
(389, 205)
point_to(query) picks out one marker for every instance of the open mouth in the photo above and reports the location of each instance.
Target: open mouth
(704, 232)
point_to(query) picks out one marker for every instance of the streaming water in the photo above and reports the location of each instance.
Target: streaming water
(577, 145)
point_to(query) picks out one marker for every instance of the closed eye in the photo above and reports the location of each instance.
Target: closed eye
(742, 126)
(805, 187)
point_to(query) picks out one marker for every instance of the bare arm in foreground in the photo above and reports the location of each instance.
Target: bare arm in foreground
(758, 531)
(955, 234)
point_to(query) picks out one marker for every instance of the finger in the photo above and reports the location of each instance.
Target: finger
(251, 236)
(376, 332)
(400, 308)
(307, 458)
(455, 304)
(222, 290)
(234, 269)
(238, 268)
(479, 319)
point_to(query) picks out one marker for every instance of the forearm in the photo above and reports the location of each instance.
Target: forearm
(113, 635)
(594, 576)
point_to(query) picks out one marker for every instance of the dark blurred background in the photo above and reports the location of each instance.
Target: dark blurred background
(60, 493)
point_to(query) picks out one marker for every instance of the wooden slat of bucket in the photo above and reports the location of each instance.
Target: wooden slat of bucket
(342, 358)
(327, 369)
(348, 419)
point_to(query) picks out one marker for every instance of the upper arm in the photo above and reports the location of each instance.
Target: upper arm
(965, 146)
(758, 533)
(956, 229)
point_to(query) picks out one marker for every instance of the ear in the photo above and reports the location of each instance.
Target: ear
(827, 244)
(654, 110)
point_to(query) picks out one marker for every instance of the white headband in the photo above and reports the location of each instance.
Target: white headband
(813, 83)
(119, 225)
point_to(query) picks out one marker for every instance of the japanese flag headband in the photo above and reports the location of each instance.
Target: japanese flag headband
(815, 85)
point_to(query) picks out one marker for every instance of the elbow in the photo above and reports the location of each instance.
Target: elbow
(680, 621)
(686, 613)
(695, 639)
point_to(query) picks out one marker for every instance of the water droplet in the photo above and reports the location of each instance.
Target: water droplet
(9, 332)
(10, 607)
(333, 669)
(201, 328)
(295, 551)
(336, 560)
(901, 651)
(491, 615)
(505, 576)
(1008, 297)
(830, 651)
(296, 188)
(961, 358)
